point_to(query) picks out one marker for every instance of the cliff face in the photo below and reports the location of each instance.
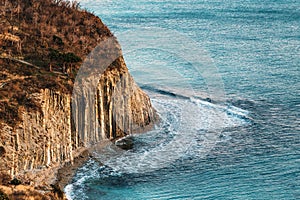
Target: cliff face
(52, 136)
(48, 117)
(42, 138)
(120, 106)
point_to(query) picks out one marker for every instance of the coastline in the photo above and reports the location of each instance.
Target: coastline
(40, 122)
(66, 173)
(53, 180)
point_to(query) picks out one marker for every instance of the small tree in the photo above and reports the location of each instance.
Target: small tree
(70, 58)
(15, 181)
(63, 58)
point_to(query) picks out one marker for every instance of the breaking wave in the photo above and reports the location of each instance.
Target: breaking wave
(189, 126)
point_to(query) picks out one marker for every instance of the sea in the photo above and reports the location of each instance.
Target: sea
(224, 77)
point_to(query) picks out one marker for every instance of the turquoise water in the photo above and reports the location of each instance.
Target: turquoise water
(245, 145)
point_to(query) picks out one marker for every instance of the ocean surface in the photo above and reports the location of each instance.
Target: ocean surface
(224, 78)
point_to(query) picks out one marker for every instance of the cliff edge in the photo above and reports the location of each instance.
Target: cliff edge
(52, 109)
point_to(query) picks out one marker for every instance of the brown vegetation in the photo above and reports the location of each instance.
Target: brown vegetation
(22, 192)
(42, 44)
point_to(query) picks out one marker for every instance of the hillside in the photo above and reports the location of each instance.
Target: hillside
(42, 45)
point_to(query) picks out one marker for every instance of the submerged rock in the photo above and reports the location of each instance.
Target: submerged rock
(125, 143)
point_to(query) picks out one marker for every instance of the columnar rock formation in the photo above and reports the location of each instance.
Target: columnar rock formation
(52, 136)
(120, 106)
(48, 115)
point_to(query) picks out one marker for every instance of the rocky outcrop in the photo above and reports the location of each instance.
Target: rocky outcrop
(120, 106)
(42, 138)
(50, 137)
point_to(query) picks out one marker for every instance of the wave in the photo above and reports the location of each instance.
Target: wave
(163, 91)
(201, 101)
(187, 122)
(190, 126)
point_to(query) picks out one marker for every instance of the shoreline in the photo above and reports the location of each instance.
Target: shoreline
(66, 173)
(53, 179)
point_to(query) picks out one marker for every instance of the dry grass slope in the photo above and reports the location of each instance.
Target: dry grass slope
(42, 44)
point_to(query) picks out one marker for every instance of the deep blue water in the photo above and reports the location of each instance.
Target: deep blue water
(230, 125)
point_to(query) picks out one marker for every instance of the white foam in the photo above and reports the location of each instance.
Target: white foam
(87, 171)
(189, 127)
(229, 109)
(194, 123)
(69, 191)
(70, 187)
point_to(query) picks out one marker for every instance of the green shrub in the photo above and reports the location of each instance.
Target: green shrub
(57, 56)
(71, 58)
(57, 40)
(15, 181)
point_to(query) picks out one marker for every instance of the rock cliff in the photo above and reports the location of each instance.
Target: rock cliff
(51, 110)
